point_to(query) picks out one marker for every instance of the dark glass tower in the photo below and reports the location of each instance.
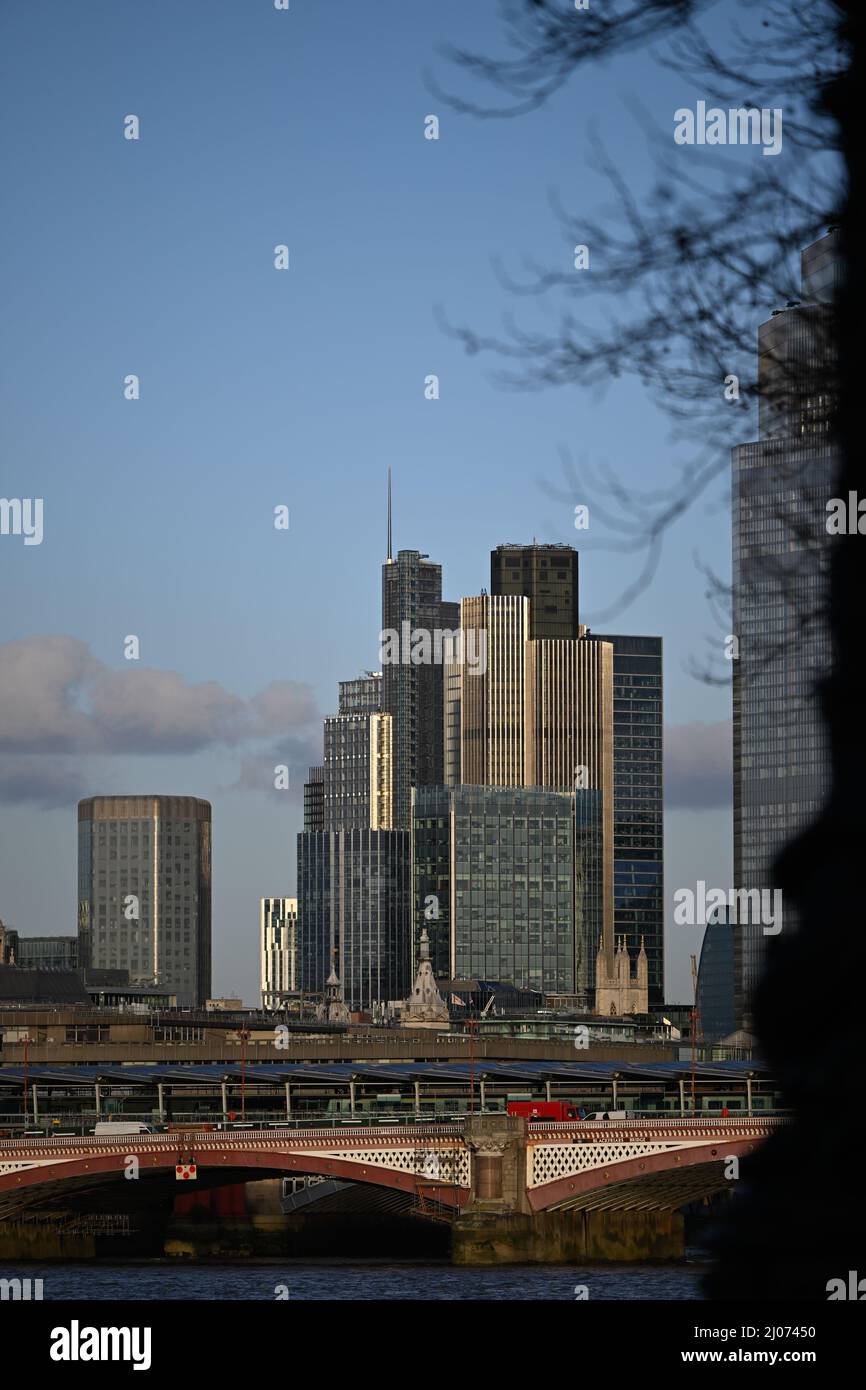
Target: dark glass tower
(355, 912)
(545, 574)
(716, 980)
(413, 694)
(781, 486)
(144, 890)
(638, 800)
(354, 898)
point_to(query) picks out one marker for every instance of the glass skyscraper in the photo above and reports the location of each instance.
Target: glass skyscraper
(354, 894)
(781, 486)
(507, 884)
(638, 800)
(355, 913)
(413, 693)
(358, 772)
(715, 995)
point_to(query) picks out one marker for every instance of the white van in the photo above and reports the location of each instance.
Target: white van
(116, 1129)
(608, 1115)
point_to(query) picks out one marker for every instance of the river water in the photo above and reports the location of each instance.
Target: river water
(349, 1280)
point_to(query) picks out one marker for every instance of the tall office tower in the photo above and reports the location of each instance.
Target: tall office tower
(314, 799)
(781, 486)
(492, 693)
(715, 992)
(362, 695)
(590, 702)
(354, 905)
(506, 885)
(638, 808)
(569, 715)
(548, 576)
(545, 574)
(355, 913)
(144, 890)
(279, 948)
(412, 690)
(569, 736)
(358, 772)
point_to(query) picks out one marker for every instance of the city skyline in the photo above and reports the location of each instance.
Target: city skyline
(178, 472)
(356, 713)
(430, 520)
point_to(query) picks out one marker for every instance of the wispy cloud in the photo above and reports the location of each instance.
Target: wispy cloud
(59, 704)
(46, 782)
(698, 765)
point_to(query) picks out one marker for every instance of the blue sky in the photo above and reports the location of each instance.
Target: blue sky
(261, 388)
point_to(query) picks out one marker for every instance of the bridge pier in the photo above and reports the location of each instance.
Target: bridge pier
(498, 1226)
(498, 1147)
(566, 1237)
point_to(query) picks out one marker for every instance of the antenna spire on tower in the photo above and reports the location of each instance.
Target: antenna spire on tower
(390, 556)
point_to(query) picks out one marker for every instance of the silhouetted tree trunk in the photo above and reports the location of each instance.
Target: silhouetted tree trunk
(801, 1220)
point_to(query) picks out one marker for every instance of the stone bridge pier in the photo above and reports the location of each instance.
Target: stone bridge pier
(498, 1225)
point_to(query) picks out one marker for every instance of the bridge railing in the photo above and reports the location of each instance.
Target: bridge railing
(258, 1137)
(708, 1122)
(80, 1127)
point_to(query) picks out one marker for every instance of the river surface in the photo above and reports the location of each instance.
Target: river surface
(348, 1280)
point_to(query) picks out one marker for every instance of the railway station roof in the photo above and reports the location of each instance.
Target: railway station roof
(337, 1073)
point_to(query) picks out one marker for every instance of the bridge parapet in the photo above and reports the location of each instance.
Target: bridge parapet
(391, 1156)
(699, 1128)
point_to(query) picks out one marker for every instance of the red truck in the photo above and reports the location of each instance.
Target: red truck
(545, 1110)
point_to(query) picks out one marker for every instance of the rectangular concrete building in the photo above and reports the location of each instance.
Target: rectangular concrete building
(144, 890)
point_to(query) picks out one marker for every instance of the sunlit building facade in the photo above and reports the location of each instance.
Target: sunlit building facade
(144, 891)
(278, 929)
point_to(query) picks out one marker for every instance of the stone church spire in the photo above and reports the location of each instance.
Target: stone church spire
(425, 1004)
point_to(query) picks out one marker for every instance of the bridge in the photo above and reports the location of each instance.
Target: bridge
(490, 1166)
